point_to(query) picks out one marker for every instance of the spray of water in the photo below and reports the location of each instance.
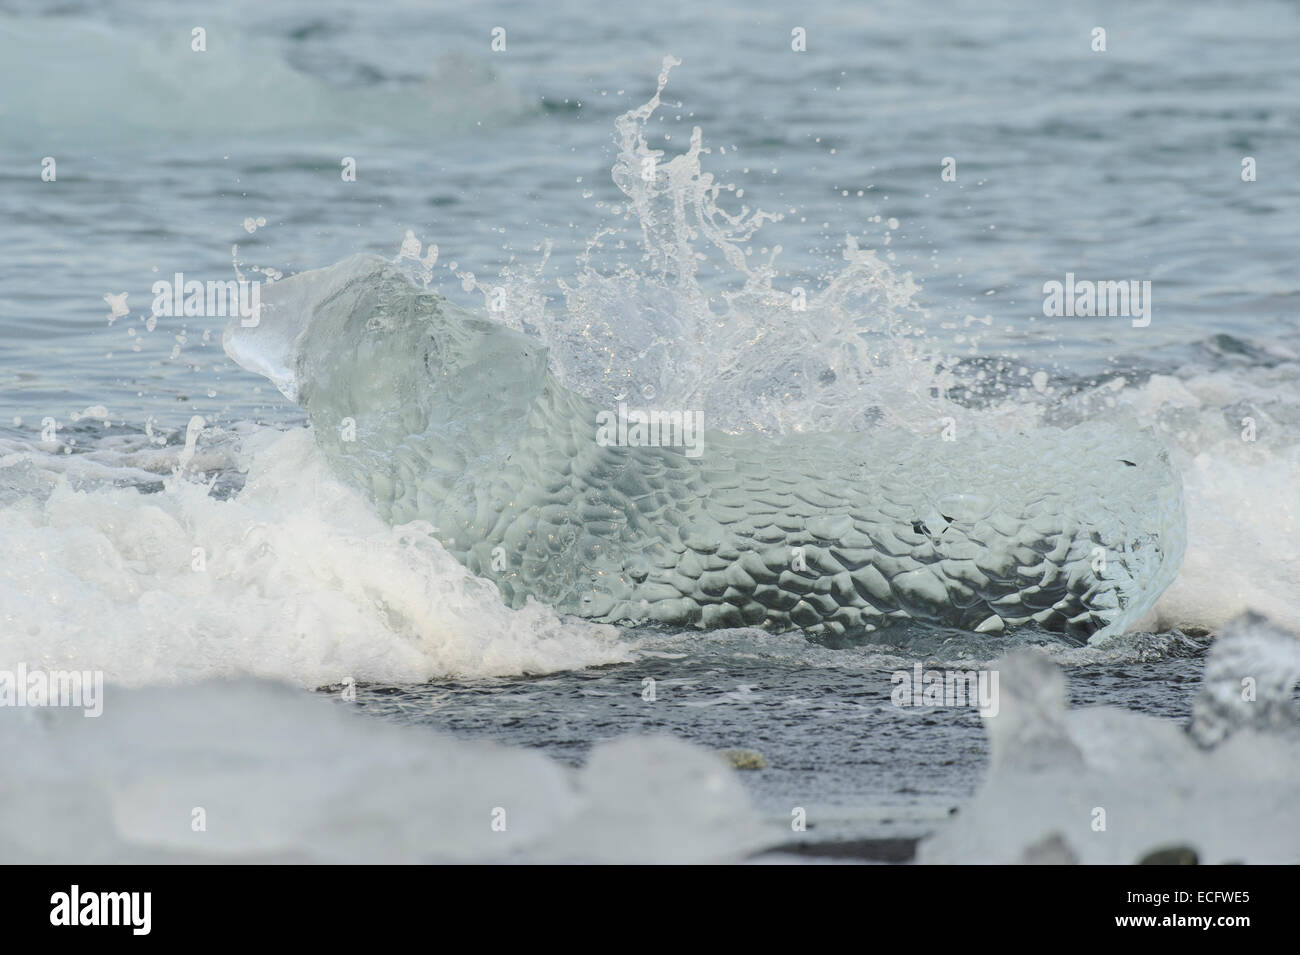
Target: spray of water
(671, 309)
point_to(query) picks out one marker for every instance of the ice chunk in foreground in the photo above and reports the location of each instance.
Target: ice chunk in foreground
(277, 775)
(1105, 785)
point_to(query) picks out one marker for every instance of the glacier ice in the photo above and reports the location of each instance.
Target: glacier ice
(446, 416)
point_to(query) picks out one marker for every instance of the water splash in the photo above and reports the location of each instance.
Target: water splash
(671, 307)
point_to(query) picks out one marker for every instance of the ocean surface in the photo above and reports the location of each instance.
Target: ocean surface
(166, 517)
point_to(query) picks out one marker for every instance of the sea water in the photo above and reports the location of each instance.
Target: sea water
(799, 255)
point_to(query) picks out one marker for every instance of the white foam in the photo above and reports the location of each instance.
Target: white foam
(299, 580)
(1242, 497)
(1243, 517)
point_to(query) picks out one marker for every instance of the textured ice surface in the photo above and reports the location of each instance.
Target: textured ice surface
(281, 776)
(1106, 785)
(458, 421)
